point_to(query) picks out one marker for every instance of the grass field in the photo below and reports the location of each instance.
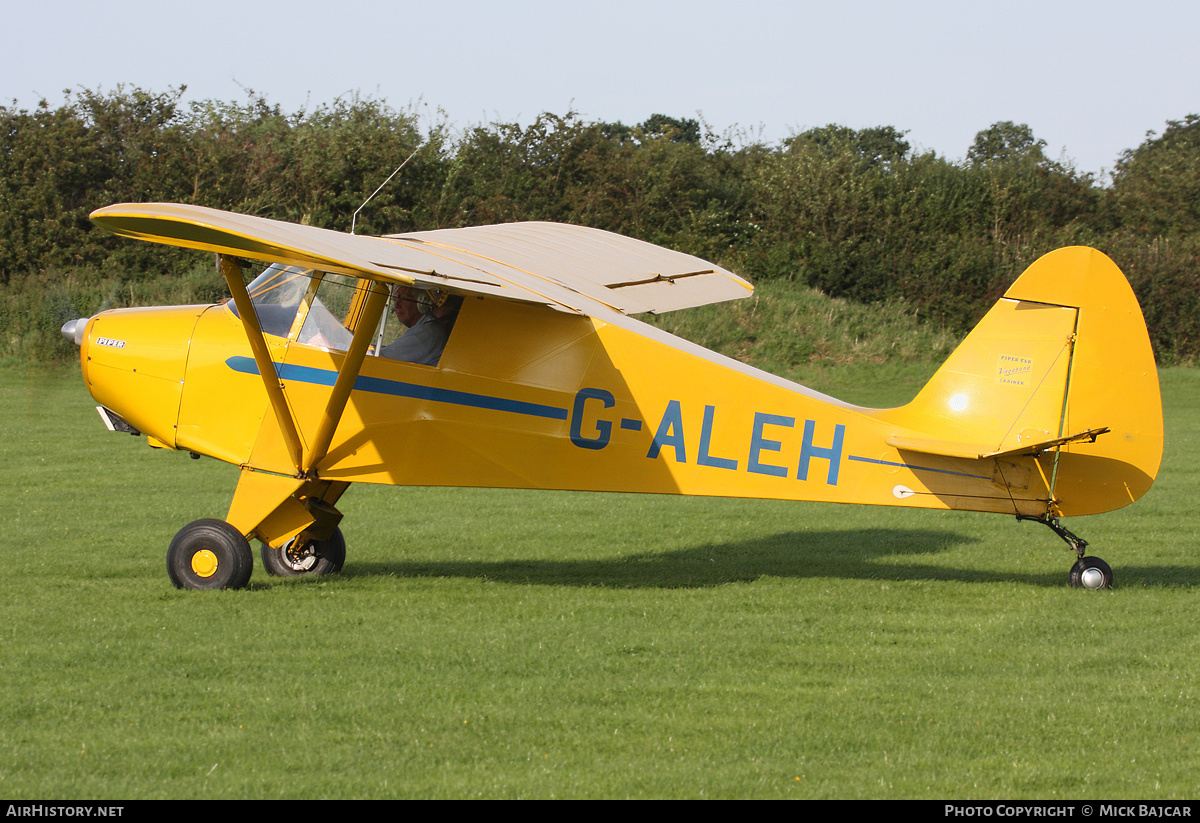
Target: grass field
(521, 644)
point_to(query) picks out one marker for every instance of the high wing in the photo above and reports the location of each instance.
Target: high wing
(570, 268)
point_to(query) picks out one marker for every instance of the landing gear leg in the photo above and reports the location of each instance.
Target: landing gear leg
(1088, 572)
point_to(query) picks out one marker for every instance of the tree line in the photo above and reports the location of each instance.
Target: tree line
(854, 213)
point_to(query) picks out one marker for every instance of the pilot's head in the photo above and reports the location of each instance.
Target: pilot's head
(406, 305)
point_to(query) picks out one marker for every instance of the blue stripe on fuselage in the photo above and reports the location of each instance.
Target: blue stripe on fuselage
(378, 385)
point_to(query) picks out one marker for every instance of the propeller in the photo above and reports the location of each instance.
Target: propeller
(73, 329)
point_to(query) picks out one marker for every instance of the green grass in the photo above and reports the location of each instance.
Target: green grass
(523, 644)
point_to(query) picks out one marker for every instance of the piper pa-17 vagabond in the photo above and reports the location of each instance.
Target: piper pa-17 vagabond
(538, 377)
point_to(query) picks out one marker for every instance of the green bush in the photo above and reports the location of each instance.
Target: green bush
(855, 214)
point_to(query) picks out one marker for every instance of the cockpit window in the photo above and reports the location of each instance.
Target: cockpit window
(323, 308)
(276, 294)
(323, 317)
(279, 285)
(304, 305)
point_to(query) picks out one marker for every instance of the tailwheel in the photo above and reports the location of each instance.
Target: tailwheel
(301, 557)
(1090, 573)
(209, 554)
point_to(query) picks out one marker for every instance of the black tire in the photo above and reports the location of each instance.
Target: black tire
(315, 558)
(1090, 573)
(209, 554)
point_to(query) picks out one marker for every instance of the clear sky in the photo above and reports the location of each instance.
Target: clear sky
(1090, 78)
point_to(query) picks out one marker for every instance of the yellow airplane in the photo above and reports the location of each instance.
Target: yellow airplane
(538, 377)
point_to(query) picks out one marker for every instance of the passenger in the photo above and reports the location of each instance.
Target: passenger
(426, 335)
(446, 307)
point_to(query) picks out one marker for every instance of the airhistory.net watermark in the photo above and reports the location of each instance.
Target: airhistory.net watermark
(61, 810)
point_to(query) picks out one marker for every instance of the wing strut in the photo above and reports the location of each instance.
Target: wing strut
(262, 358)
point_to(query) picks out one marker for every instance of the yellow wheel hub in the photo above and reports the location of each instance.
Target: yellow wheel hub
(204, 563)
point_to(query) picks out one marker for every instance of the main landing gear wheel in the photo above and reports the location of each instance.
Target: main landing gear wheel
(315, 557)
(1090, 573)
(209, 554)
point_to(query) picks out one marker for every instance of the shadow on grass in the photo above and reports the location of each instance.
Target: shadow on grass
(860, 554)
(857, 554)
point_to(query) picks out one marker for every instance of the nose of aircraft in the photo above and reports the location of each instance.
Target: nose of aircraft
(73, 330)
(134, 361)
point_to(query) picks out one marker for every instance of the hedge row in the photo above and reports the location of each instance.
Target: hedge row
(856, 214)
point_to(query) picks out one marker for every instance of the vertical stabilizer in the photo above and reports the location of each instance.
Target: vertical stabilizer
(1064, 353)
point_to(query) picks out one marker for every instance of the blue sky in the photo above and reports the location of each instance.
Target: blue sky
(1090, 78)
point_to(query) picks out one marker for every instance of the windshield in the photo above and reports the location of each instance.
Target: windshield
(277, 294)
(304, 305)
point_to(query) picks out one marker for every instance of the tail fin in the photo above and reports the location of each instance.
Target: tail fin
(1061, 365)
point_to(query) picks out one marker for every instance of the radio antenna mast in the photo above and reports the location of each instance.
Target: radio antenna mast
(354, 217)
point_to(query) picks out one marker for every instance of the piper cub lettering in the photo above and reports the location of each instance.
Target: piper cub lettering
(507, 356)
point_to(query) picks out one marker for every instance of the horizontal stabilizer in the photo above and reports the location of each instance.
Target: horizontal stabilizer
(974, 451)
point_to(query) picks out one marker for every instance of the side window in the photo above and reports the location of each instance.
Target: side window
(390, 327)
(417, 325)
(323, 308)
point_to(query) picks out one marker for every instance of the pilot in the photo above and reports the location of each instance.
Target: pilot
(426, 336)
